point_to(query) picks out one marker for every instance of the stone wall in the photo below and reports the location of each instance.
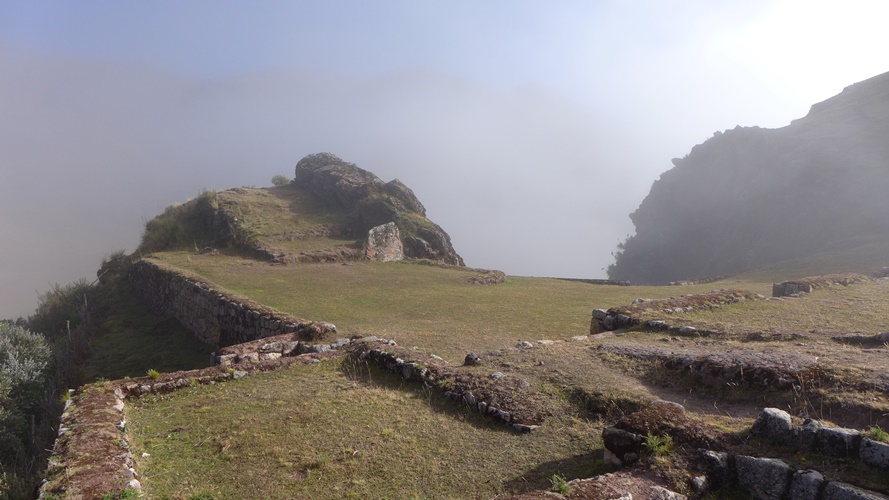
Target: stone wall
(214, 316)
(806, 285)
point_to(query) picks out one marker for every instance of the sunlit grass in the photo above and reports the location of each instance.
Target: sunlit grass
(340, 429)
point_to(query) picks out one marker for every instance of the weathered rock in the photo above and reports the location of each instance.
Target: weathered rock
(764, 478)
(836, 490)
(838, 442)
(874, 453)
(384, 243)
(807, 434)
(805, 485)
(625, 446)
(772, 424)
(661, 493)
(717, 467)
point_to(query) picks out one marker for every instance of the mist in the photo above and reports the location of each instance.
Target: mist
(528, 133)
(523, 180)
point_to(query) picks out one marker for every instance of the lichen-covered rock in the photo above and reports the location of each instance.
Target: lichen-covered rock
(763, 478)
(773, 424)
(807, 434)
(384, 243)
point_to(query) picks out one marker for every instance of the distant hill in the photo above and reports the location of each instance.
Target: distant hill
(323, 215)
(751, 197)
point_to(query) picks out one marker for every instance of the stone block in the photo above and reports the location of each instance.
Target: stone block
(763, 478)
(838, 442)
(806, 485)
(874, 453)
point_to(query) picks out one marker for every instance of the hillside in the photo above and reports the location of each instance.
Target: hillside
(752, 197)
(419, 377)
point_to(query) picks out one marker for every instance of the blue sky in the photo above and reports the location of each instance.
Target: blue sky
(529, 129)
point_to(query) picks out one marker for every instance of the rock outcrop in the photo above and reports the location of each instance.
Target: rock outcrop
(372, 202)
(751, 197)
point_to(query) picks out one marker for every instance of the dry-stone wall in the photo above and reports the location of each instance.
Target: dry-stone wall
(215, 317)
(629, 316)
(767, 478)
(806, 285)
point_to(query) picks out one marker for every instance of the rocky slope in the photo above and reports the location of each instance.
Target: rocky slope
(750, 196)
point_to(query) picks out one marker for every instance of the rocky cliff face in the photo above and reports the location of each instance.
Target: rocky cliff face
(750, 196)
(372, 202)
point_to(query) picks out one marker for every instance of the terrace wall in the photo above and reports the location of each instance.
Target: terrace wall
(214, 316)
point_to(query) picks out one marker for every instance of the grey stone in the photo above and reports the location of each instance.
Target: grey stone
(608, 323)
(263, 356)
(838, 442)
(472, 359)
(772, 424)
(763, 478)
(661, 493)
(717, 467)
(238, 374)
(340, 343)
(134, 484)
(806, 485)
(874, 453)
(688, 330)
(497, 375)
(701, 484)
(807, 434)
(525, 345)
(524, 428)
(468, 398)
(836, 490)
(624, 445)
(600, 313)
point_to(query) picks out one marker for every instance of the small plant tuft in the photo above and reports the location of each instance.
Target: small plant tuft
(658, 445)
(153, 374)
(560, 484)
(877, 434)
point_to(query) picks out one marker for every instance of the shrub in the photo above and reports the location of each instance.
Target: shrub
(280, 180)
(153, 374)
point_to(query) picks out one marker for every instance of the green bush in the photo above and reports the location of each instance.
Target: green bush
(60, 308)
(280, 180)
(25, 359)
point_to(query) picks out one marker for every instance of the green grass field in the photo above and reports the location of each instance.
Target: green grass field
(429, 307)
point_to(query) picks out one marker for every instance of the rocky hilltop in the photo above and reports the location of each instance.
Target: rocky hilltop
(370, 202)
(750, 197)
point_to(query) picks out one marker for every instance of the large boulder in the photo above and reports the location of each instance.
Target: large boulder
(384, 243)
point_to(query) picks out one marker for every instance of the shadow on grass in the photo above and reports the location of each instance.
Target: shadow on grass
(574, 467)
(370, 374)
